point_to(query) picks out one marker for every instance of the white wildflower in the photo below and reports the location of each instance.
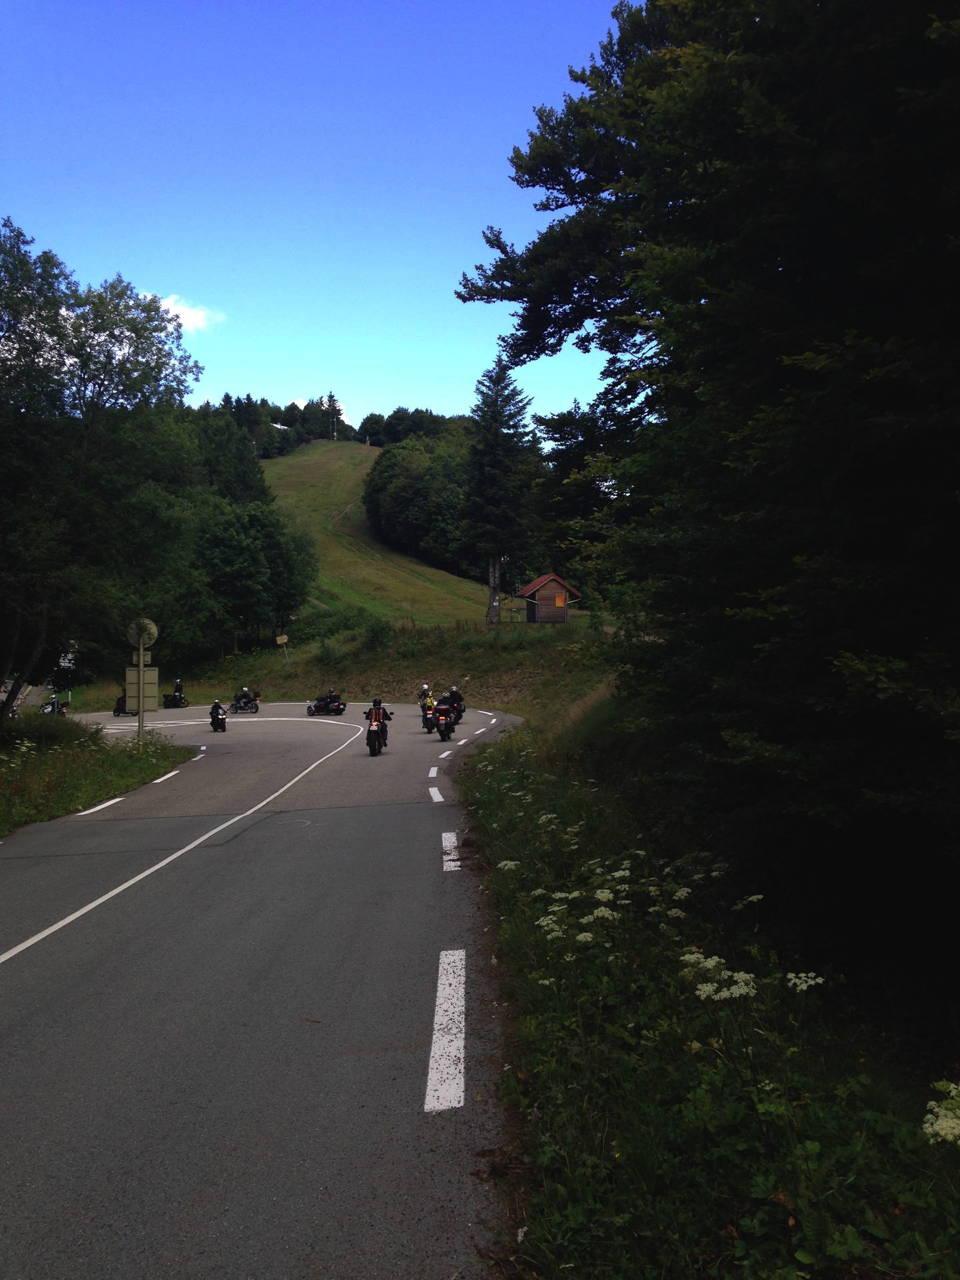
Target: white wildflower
(802, 981)
(604, 895)
(681, 894)
(584, 937)
(507, 865)
(942, 1121)
(676, 914)
(754, 897)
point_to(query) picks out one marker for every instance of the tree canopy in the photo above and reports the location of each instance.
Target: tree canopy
(752, 218)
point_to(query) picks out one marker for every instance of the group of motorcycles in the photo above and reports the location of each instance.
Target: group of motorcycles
(441, 716)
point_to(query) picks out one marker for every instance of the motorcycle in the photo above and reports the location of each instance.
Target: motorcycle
(443, 723)
(53, 707)
(173, 700)
(375, 738)
(325, 706)
(120, 707)
(243, 708)
(218, 720)
(426, 716)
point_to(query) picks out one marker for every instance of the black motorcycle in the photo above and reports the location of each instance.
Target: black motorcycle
(173, 700)
(120, 707)
(218, 720)
(443, 721)
(375, 738)
(326, 706)
(244, 708)
(53, 707)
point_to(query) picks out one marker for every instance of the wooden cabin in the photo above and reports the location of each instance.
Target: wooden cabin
(547, 598)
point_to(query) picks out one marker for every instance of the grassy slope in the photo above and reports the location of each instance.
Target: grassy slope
(321, 487)
(514, 667)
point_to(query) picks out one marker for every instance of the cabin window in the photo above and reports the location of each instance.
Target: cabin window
(560, 599)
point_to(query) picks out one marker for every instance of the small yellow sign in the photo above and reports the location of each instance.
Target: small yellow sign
(282, 639)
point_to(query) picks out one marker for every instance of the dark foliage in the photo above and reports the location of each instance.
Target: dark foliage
(756, 223)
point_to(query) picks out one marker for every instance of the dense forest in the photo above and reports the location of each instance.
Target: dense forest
(438, 476)
(117, 499)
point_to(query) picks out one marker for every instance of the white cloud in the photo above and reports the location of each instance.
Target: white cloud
(192, 318)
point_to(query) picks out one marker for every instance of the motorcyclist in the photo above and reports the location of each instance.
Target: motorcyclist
(427, 705)
(378, 714)
(455, 698)
(217, 710)
(332, 698)
(424, 693)
(443, 704)
(178, 698)
(244, 697)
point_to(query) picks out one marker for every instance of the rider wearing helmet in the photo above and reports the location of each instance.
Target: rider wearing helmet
(455, 698)
(378, 714)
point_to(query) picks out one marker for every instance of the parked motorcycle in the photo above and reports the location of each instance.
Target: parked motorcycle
(120, 707)
(218, 720)
(325, 706)
(443, 721)
(53, 707)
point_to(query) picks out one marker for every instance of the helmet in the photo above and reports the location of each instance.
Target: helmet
(377, 702)
(424, 685)
(454, 689)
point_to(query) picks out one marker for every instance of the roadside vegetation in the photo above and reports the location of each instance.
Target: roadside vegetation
(692, 1100)
(518, 668)
(51, 766)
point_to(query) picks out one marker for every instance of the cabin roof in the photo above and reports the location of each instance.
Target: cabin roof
(533, 587)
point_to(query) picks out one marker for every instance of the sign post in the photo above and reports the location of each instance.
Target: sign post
(141, 632)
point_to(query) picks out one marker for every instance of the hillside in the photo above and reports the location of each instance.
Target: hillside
(321, 487)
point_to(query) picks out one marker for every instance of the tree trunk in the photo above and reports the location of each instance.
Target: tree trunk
(493, 603)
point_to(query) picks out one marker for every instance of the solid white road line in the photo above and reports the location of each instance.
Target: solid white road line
(451, 855)
(168, 775)
(97, 807)
(445, 1076)
(444, 754)
(433, 772)
(127, 884)
(435, 796)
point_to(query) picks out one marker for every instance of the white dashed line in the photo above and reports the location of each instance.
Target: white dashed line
(445, 1076)
(97, 807)
(166, 776)
(433, 772)
(494, 720)
(444, 754)
(451, 854)
(483, 730)
(199, 757)
(463, 742)
(435, 796)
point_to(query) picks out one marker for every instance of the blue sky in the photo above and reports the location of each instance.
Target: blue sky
(310, 178)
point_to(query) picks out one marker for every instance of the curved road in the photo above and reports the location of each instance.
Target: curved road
(232, 1031)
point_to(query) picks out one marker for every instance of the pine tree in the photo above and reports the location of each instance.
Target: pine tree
(499, 476)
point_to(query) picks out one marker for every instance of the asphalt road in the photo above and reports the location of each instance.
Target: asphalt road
(273, 1056)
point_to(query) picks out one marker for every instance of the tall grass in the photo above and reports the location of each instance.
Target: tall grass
(51, 766)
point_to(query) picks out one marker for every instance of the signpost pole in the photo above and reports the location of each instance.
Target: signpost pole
(140, 692)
